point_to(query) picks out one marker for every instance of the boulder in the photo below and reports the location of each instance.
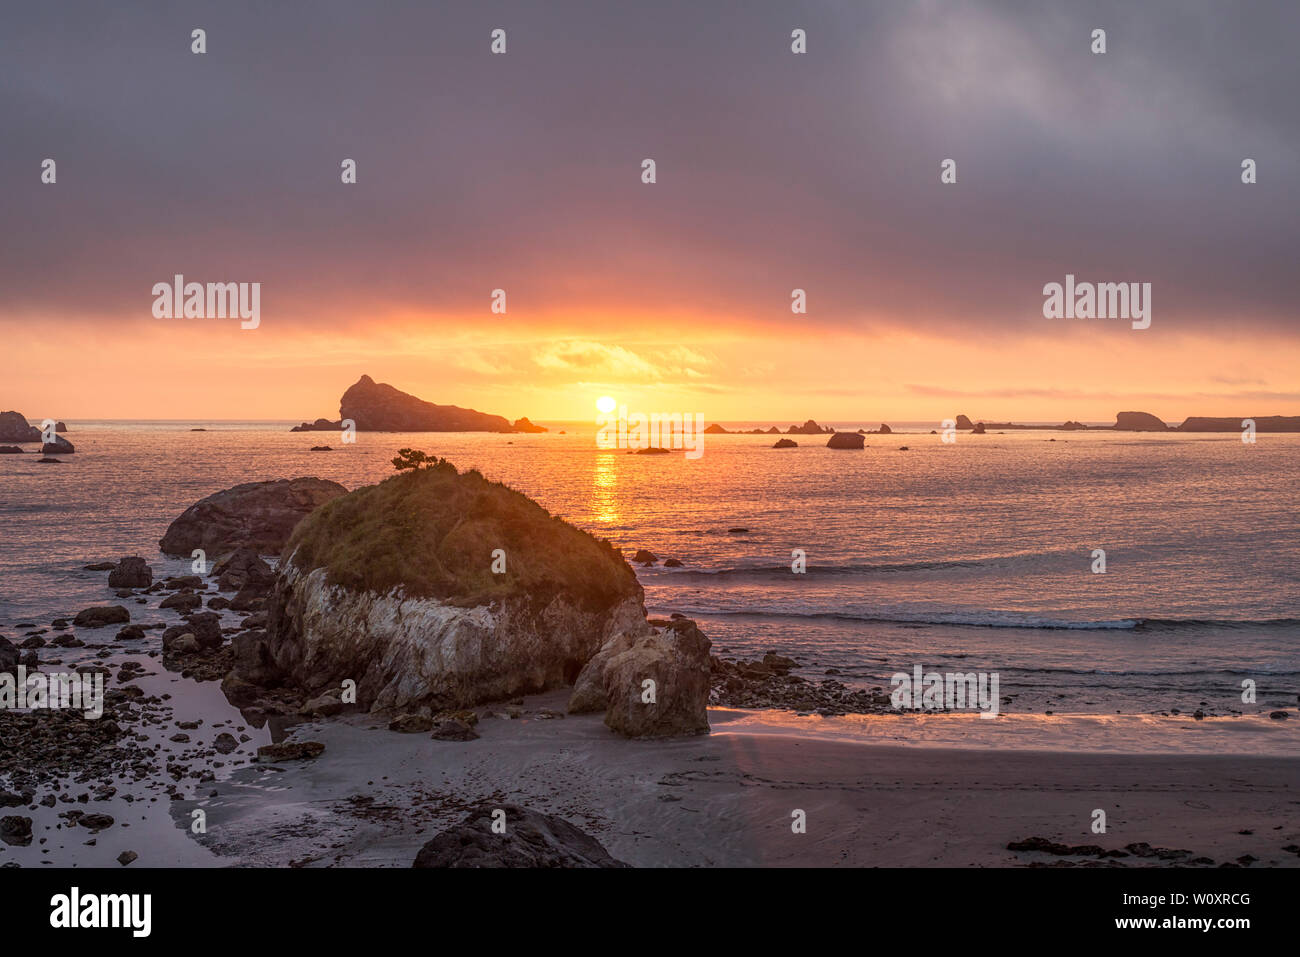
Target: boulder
(206, 627)
(15, 428)
(259, 515)
(785, 444)
(102, 615)
(964, 423)
(16, 830)
(1138, 422)
(133, 572)
(290, 751)
(182, 601)
(60, 446)
(253, 663)
(846, 440)
(243, 568)
(675, 656)
(523, 425)
(10, 450)
(978, 430)
(9, 656)
(391, 586)
(644, 556)
(531, 840)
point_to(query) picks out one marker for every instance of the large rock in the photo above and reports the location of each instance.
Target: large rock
(531, 840)
(60, 446)
(15, 428)
(9, 656)
(392, 586)
(675, 657)
(964, 423)
(846, 440)
(523, 425)
(102, 615)
(808, 428)
(133, 572)
(259, 515)
(379, 407)
(1263, 423)
(1139, 422)
(243, 568)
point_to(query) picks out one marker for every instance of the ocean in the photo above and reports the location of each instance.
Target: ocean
(973, 557)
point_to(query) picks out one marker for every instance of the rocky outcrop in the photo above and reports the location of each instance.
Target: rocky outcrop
(15, 428)
(649, 685)
(964, 423)
(10, 450)
(1263, 423)
(320, 425)
(530, 840)
(243, 568)
(133, 572)
(379, 407)
(523, 425)
(259, 515)
(808, 428)
(785, 444)
(392, 586)
(716, 429)
(846, 440)
(102, 615)
(1138, 422)
(9, 656)
(60, 446)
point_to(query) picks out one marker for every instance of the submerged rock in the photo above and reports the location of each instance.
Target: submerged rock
(102, 615)
(785, 444)
(259, 515)
(531, 840)
(133, 572)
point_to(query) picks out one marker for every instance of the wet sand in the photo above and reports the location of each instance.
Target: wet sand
(727, 798)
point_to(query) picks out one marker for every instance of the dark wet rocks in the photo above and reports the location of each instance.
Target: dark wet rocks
(454, 729)
(644, 556)
(767, 683)
(530, 840)
(182, 601)
(101, 615)
(16, 829)
(244, 568)
(845, 440)
(126, 857)
(133, 572)
(1141, 850)
(289, 751)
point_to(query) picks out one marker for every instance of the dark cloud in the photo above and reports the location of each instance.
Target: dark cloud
(775, 171)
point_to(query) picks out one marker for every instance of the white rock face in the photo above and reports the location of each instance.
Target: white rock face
(407, 653)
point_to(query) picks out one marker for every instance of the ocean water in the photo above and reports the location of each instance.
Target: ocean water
(970, 557)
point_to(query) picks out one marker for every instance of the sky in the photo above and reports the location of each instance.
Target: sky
(775, 171)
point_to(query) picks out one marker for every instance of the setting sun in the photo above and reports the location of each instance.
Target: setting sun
(605, 404)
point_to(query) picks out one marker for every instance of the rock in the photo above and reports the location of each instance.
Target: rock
(259, 515)
(808, 428)
(95, 822)
(9, 656)
(327, 704)
(186, 644)
(320, 448)
(60, 446)
(964, 423)
(184, 601)
(523, 425)
(411, 723)
(1263, 423)
(225, 743)
(716, 429)
(16, 830)
(453, 729)
(378, 407)
(531, 840)
(785, 444)
(846, 440)
(10, 450)
(1140, 422)
(675, 657)
(252, 659)
(884, 430)
(320, 425)
(241, 569)
(391, 586)
(978, 430)
(126, 857)
(11, 799)
(15, 428)
(290, 751)
(1278, 715)
(206, 628)
(133, 572)
(672, 563)
(644, 557)
(101, 615)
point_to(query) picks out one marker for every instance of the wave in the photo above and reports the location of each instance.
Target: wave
(994, 619)
(774, 571)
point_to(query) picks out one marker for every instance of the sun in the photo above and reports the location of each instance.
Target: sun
(605, 405)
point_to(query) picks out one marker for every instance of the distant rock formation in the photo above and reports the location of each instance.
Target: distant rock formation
(1263, 423)
(978, 430)
(883, 430)
(10, 450)
(523, 425)
(808, 428)
(379, 407)
(60, 446)
(716, 429)
(15, 428)
(1138, 422)
(260, 515)
(964, 423)
(320, 425)
(786, 444)
(846, 440)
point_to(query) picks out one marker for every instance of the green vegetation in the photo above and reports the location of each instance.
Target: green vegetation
(433, 531)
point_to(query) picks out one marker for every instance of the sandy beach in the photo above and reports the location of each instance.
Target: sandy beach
(727, 798)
